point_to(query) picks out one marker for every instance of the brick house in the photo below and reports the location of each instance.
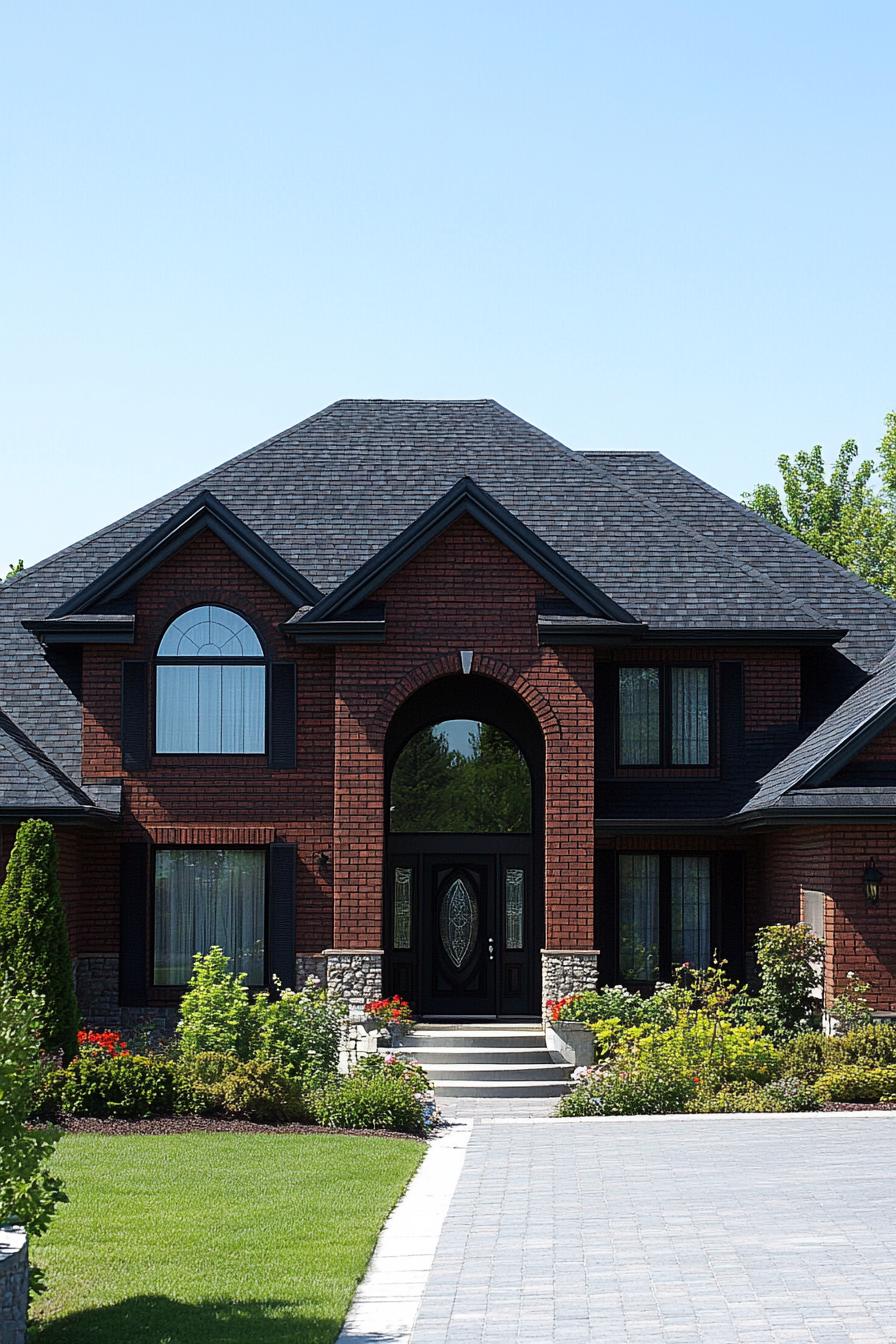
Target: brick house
(417, 699)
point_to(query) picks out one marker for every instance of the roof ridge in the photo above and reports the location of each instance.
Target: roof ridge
(630, 489)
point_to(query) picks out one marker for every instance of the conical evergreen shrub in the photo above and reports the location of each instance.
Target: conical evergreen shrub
(34, 949)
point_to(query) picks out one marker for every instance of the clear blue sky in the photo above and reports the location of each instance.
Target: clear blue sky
(660, 225)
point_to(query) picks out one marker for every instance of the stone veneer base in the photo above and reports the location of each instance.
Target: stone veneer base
(355, 975)
(567, 971)
(13, 1285)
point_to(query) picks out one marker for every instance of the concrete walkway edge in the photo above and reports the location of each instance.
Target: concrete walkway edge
(387, 1300)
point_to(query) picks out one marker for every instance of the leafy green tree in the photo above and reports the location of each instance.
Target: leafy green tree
(34, 948)
(847, 513)
(15, 568)
(421, 784)
(28, 1193)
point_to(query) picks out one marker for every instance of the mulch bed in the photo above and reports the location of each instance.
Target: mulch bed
(200, 1124)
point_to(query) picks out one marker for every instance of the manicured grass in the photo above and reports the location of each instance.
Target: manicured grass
(213, 1238)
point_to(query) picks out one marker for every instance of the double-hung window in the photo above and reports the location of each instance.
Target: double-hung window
(664, 914)
(664, 716)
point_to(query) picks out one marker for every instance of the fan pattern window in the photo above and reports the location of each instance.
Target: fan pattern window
(210, 685)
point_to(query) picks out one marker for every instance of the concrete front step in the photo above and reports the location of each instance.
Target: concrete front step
(488, 1059)
(501, 1089)
(432, 1056)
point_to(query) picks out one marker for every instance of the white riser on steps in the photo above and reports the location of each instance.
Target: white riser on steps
(491, 1060)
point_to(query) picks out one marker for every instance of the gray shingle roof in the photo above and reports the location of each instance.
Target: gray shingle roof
(330, 492)
(865, 712)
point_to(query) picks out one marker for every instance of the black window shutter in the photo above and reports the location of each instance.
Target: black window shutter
(282, 914)
(134, 715)
(282, 730)
(605, 713)
(134, 906)
(731, 719)
(729, 932)
(605, 914)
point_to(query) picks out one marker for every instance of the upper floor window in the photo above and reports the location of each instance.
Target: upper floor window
(664, 716)
(210, 685)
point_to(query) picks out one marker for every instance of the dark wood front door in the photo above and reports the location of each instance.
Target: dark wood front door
(463, 928)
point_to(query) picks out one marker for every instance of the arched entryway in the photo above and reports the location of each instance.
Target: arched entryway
(464, 815)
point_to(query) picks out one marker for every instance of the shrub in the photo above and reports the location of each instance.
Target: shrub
(874, 1044)
(857, 1082)
(781, 1096)
(712, 1050)
(850, 1008)
(199, 1081)
(28, 1193)
(257, 1090)
(131, 1087)
(789, 959)
(300, 1033)
(372, 1100)
(615, 1002)
(34, 949)
(628, 1085)
(215, 1012)
(803, 1056)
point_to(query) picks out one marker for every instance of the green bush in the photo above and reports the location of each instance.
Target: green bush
(371, 1100)
(628, 1085)
(300, 1032)
(616, 1003)
(789, 958)
(257, 1090)
(850, 1008)
(804, 1056)
(712, 1051)
(780, 1097)
(198, 1082)
(857, 1083)
(28, 1193)
(874, 1044)
(216, 1012)
(34, 949)
(131, 1087)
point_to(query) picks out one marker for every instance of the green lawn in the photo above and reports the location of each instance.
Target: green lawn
(213, 1238)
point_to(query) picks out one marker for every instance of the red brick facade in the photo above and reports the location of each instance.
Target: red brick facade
(465, 591)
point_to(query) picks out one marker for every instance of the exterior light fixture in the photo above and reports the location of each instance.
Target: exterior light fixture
(872, 878)
(323, 861)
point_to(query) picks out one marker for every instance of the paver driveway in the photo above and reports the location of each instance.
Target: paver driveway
(717, 1229)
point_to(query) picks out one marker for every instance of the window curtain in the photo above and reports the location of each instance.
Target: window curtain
(211, 708)
(639, 716)
(639, 889)
(690, 882)
(206, 898)
(690, 715)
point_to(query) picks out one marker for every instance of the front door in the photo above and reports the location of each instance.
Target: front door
(458, 932)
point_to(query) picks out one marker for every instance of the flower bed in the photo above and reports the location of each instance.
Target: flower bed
(706, 1045)
(271, 1060)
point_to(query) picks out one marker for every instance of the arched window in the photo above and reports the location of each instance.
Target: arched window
(463, 776)
(210, 685)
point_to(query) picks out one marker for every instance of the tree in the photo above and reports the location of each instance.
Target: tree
(28, 1193)
(848, 514)
(34, 949)
(15, 568)
(421, 784)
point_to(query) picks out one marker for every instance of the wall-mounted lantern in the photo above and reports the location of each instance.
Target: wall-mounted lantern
(323, 862)
(872, 878)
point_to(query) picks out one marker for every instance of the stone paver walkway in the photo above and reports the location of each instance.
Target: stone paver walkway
(701, 1230)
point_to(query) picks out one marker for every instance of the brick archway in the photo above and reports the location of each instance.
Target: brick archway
(486, 666)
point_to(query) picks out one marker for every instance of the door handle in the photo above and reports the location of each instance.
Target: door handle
(491, 949)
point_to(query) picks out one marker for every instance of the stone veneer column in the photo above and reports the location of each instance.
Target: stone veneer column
(565, 971)
(96, 988)
(13, 1285)
(355, 976)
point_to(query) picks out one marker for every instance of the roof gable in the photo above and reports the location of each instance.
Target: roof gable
(204, 512)
(464, 499)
